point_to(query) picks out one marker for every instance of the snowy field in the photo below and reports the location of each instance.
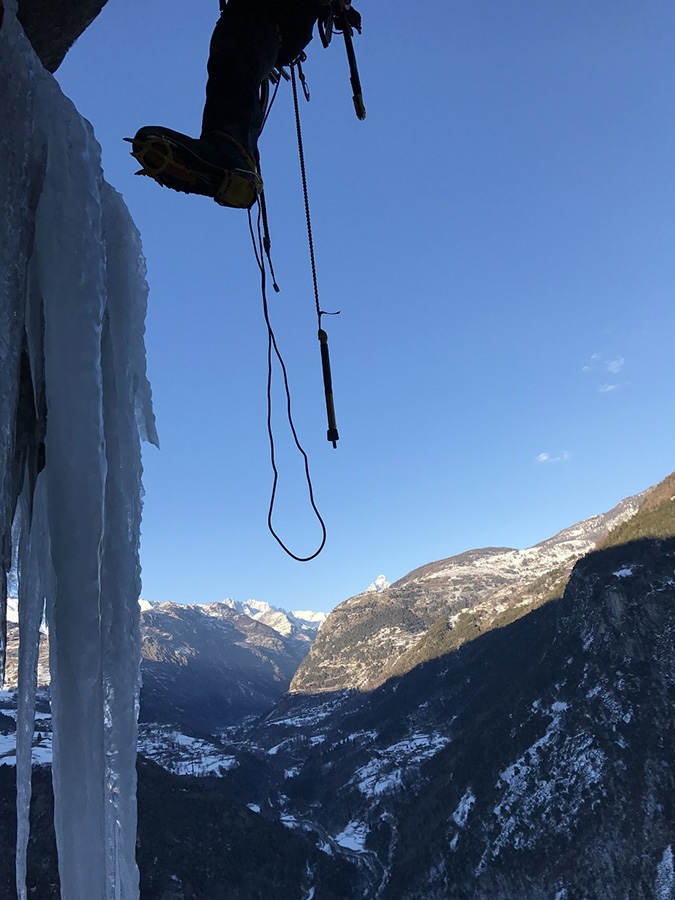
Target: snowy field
(176, 752)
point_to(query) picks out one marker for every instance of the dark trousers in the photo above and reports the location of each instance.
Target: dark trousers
(250, 39)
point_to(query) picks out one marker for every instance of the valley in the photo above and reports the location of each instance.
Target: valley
(495, 725)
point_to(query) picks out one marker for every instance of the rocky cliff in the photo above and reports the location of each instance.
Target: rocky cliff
(52, 26)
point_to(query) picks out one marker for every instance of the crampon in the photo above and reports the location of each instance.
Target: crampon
(217, 166)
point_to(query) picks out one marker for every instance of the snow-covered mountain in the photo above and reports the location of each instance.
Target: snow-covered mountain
(380, 584)
(301, 624)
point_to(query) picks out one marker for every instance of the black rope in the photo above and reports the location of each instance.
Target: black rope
(272, 348)
(267, 104)
(305, 193)
(267, 240)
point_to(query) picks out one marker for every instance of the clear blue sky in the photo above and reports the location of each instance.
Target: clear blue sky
(499, 236)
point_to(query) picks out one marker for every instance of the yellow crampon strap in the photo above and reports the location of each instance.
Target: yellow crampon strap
(238, 190)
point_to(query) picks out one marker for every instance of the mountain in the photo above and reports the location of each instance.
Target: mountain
(530, 758)
(532, 761)
(12, 658)
(380, 584)
(302, 625)
(207, 666)
(204, 666)
(370, 637)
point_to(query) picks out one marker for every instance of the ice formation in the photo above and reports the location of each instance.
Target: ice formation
(74, 404)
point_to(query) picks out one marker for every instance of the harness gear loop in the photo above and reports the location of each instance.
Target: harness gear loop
(332, 433)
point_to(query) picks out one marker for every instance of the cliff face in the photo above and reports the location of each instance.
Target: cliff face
(52, 26)
(558, 781)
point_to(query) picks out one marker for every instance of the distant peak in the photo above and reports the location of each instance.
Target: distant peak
(308, 617)
(147, 605)
(380, 584)
(288, 624)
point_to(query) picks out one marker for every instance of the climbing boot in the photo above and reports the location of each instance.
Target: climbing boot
(215, 166)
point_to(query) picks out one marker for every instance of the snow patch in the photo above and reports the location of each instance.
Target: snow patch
(664, 888)
(461, 814)
(41, 750)
(384, 773)
(182, 754)
(546, 786)
(353, 837)
(313, 714)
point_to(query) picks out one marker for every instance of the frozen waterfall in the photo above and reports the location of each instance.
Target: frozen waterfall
(74, 405)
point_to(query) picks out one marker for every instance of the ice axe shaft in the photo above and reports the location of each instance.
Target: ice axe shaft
(357, 97)
(332, 433)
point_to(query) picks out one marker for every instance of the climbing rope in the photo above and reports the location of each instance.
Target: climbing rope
(260, 238)
(258, 241)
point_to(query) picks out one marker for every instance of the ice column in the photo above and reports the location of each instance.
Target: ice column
(74, 405)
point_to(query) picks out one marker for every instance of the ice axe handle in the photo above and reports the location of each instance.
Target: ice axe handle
(332, 433)
(357, 97)
(359, 106)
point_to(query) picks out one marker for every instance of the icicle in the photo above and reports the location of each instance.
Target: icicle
(123, 356)
(34, 581)
(19, 177)
(72, 307)
(71, 275)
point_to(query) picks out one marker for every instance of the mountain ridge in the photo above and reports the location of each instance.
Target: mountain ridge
(366, 636)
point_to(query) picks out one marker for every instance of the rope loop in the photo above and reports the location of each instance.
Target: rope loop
(273, 350)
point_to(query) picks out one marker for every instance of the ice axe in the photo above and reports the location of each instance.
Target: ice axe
(346, 19)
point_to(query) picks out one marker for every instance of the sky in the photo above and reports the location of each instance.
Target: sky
(498, 236)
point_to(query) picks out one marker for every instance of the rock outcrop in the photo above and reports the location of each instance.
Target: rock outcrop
(53, 26)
